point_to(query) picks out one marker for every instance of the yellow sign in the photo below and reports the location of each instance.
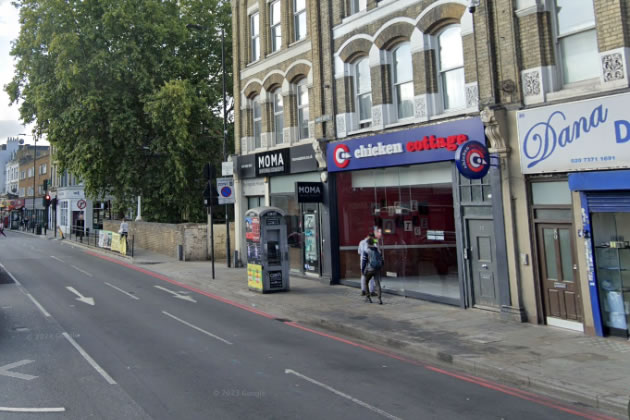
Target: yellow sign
(254, 277)
(116, 242)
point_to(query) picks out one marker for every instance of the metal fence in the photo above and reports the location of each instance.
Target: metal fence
(94, 238)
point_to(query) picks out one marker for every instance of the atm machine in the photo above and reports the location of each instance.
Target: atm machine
(267, 250)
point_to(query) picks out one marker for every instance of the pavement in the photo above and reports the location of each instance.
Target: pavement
(550, 361)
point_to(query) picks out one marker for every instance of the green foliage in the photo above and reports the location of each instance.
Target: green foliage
(130, 98)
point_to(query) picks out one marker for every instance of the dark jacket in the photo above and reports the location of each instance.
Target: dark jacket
(365, 257)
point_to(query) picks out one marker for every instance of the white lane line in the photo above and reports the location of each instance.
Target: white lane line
(82, 271)
(91, 361)
(32, 410)
(58, 259)
(39, 306)
(196, 328)
(122, 291)
(341, 394)
(10, 275)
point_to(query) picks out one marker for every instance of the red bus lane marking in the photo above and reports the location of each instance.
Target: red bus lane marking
(525, 395)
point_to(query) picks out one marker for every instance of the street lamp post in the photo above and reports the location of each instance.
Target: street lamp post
(34, 177)
(227, 217)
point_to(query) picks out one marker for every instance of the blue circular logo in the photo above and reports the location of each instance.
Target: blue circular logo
(472, 159)
(226, 192)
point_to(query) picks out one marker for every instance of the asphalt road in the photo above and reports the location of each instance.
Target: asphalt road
(100, 340)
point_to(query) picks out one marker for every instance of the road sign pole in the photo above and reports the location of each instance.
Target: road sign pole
(211, 237)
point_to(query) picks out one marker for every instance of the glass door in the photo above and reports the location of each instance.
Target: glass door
(310, 224)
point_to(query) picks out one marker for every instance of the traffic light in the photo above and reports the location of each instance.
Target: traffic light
(47, 200)
(210, 195)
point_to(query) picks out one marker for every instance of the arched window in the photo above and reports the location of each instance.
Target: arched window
(403, 80)
(278, 116)
(363, 91)
(302, 109)
(576, 38)
(451, 68)
(256, 121)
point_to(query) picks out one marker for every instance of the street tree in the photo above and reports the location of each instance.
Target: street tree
(128, 96)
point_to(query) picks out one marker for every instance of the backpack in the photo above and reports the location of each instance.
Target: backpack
(375, 259)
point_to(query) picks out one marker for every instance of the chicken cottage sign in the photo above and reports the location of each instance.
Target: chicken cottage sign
(577, 136)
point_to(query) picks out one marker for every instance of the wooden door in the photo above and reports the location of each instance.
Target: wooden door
(558, 272)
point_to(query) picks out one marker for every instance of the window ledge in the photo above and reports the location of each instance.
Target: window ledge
(454, 113)
(252, 63)
(576, 89)
(294, 43)
(361, 131)
(400, 123)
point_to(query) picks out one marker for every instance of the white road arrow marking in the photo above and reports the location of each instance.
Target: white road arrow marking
(81, 298)
(5, 370)
(177, 295)
(341, 394)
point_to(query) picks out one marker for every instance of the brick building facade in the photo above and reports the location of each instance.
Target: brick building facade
(382, 76)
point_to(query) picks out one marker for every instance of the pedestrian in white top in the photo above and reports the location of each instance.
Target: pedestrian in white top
(363, 246)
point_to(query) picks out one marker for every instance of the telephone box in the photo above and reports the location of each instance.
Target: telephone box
(267, 250)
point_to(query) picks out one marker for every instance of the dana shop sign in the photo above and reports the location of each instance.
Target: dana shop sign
(577, 136)
(433, 143)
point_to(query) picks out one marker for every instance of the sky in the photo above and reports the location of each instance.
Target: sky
(10, 124)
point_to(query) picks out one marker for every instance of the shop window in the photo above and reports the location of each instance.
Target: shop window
(413, 208)
(255, 201)
(451, 68)
(611, 238)
(576, 40)
(363, 91)
(299, 19)
(256, 121)
(64, 213)
(302, 109)
(278, 116)
(276, 29)
(254, 33)
(403, 81)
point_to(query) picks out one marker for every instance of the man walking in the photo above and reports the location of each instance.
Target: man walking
(371, 265)
(2, 228)
(363, 246)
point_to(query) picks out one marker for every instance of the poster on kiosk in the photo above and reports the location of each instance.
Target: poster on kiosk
(267, 250)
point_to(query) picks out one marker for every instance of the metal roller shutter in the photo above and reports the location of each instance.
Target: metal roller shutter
(609, 201)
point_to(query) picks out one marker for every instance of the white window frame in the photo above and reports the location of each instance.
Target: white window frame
(254, 36)
(257, 122)
(442, 71)
(275, 29)
(397, 83)
(302, 109)
(357, 6)
(358, 95)
(297, 14)
(278, 113)
(557, 37)
(64, 213)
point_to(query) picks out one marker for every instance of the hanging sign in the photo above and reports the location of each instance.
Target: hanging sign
(472, 160)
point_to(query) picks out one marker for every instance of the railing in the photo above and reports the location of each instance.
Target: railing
(104, 239)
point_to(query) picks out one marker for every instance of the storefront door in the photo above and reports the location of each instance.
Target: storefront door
(558, 272)
(483, 267)
(311, 232)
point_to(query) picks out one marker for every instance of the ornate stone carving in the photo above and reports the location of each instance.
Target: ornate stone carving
(319, 146)
(420, 107)
(612, 66)
(377, 116)
(532, 83)
(311, 129)
(286, 135)
(493, 132)
(341, 126)
(472, 96)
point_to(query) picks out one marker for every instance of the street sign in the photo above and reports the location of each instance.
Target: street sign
(81, 204)
(225, 187)
(227, 168)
